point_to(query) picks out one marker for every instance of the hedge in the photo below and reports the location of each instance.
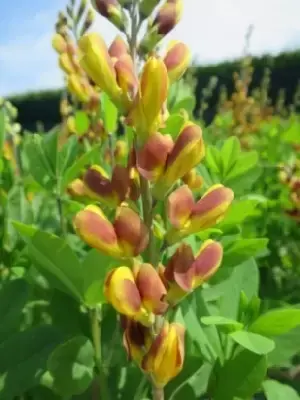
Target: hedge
(44, 106)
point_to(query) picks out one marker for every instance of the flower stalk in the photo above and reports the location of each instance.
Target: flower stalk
(96, 335)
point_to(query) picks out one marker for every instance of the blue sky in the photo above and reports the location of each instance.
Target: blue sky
(214, 30)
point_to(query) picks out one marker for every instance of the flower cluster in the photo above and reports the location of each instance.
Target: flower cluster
(161, 170)
(289, 175)
(248, 110)
(12, 131)
(85, 95)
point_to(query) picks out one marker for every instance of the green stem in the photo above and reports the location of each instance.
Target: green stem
(157, 393)
(148, 217)
(146, 195)
(63, 227)
(96, 335)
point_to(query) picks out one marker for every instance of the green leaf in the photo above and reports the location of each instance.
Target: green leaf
(23, 359)
(84, 161)
(13, 297)
(192, 366)
(287, 346)
(251, 341)
(18, 208)
(225, 324)
(245, 277)
(71, 365)
(200, 309)
(292, 134)
(240, 376)
(245, 162)
(82, 122)
(173, 125)
(242, 249)
(26, 231)
(238, 212)
(109, 114)
(39, 167)
(67, 154)
(50, 148)
(229, 154)
(278, 391)
(213, 160)
(276, 322)
(95, 267)
(188, 104)
(56, 260)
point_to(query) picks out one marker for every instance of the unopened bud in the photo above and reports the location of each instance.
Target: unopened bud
(88, 22)
(111, 10)
(58, 43)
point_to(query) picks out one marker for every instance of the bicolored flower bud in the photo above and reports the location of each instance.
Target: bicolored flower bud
(146, 114)
(71, 125)
(185, 272)
(95, 60)
(187, 152)
(188, 217)
(207, 262)
(152, 157)
(193, 180)
(168, 16)
(125, 238)
(77, 188)
(177, 60)
(59, 43)
(79, 87)
(136, 293)
(111, 10)
(118, 48)
(126, 78)
(137, 340)
(164, 360)
(111, 192)
(97, 231)
(132, 233)
(180, 205)
(211, 208)
(66, 63)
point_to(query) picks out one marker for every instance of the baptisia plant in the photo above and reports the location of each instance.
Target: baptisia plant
(160, 175)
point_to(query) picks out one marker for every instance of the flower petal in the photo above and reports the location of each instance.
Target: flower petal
(131, 232)
(96, 230)
(207, 261)
(211, 208)
(180, 205)
(151, 288)
(97, 63)
(121, 291)
(151, 159)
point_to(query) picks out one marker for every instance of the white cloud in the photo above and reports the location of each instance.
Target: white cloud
(214, 29)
